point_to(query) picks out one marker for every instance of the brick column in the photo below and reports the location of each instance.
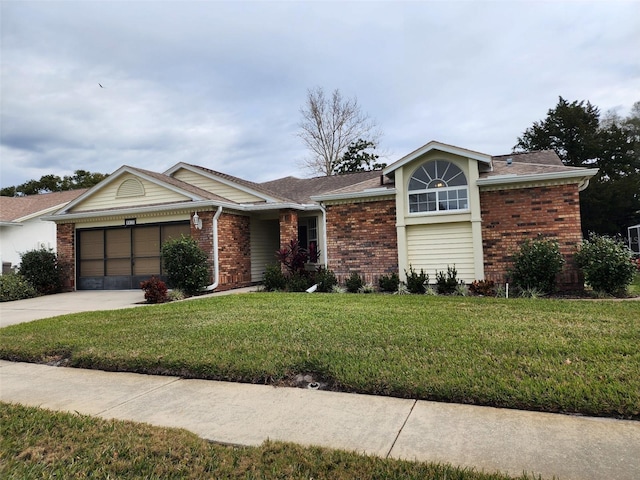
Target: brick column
(288, 227)
(234, 246)
(66, 251)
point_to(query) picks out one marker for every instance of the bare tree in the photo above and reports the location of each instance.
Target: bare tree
(329, 125)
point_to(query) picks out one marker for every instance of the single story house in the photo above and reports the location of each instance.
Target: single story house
(21, 225)
(438, 206)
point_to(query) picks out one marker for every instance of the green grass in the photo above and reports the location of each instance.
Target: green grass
(37, 443)
(634, 288)
(547, 355)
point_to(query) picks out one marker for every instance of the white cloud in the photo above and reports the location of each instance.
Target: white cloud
(220, 83)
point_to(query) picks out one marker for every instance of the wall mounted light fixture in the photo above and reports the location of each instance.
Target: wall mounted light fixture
(197, 221)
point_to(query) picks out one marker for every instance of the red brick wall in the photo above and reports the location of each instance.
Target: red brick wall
(234, 250)
(361, 238)
(66, 251)
(288, 227)
(204, 237)
(511, 216)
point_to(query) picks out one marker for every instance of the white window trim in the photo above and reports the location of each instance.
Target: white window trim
(425, 191)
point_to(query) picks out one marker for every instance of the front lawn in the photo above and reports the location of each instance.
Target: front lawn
(548, 355)
(37, 443)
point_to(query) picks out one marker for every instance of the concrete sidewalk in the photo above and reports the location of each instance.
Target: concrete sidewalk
(485, 438)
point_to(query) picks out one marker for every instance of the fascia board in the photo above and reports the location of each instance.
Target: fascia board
(280, 206)
(139, 210)
(11, 224)
(381, 192)
(437, 146)
(195, 205)
(538, 177)
(224, 181)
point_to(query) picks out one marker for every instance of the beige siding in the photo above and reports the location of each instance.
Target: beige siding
(206, 183)
(434, 247)
(265, 241)
(107, 197)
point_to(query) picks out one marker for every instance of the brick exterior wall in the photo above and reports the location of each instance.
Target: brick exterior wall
(66, 251)
(234, 251)
(361, 238)
(511, 216)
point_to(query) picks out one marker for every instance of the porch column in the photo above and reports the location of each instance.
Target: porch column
(66, 251)
(288, 227)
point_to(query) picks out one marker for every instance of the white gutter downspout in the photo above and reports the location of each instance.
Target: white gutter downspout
(325, 254)
(216, 266)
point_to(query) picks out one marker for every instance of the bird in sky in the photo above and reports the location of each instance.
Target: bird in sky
(100, 85)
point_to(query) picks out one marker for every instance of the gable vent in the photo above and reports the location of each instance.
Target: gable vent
(130, 188)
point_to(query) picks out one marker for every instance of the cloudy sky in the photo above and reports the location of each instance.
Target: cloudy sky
(220, 83)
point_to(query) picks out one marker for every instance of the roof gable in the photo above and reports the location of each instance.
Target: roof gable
(131, 187)
(441, 147)
(227, 186)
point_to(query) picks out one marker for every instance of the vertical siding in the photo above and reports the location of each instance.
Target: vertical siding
(434, 247)
(265, 241)
(213, 186)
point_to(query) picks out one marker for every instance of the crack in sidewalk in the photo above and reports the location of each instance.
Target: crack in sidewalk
(401, 428)
(142, 394)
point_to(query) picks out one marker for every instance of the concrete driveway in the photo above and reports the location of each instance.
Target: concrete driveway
(20, 311)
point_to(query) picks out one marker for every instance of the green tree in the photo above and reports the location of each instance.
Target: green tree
(53, 183)
(359, 158)
(581, 138)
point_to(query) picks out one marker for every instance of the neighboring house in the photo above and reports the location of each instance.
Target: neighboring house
(438, 206)
(21, 227)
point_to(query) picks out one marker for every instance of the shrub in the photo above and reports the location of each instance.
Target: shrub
(416, 282)
(293, 257)
(274, 279)
(354, 283)
(186, 265)
(536, 265)
(175, 295)
(447, 284)
(367, 288)
(155, 290)
(485, 288)
(325, 279)
(40, 268)
(606, 263)
(298, 282)
(14, 286)
(389, 283)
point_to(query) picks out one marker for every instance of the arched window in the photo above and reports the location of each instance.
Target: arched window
(437, 186)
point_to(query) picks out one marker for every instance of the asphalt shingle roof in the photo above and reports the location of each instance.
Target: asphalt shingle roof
(14, 208)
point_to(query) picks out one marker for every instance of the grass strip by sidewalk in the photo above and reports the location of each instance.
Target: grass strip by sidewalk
(36, 443)
(545, 355)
